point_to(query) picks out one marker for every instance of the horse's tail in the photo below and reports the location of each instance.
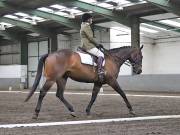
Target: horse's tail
(38, 76)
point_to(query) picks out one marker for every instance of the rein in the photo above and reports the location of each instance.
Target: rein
(105, 51)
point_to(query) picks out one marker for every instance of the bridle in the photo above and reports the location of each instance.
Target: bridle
(135, 62)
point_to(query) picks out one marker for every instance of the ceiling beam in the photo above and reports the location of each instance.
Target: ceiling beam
(143, 9)
(68, 22)
(27, 26)
(118, 17)
(71, 23)
(158, 24)
(22, 24)
(134, 1)
(111, 14)
(10, 36)
(166, 5)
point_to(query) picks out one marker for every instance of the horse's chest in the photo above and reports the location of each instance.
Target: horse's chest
(111, 69)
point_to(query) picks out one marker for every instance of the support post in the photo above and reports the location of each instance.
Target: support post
(24, 51)
(53, 43)
(24, 62)
(135, 32)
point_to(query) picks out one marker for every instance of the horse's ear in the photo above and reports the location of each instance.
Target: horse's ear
(141, 47)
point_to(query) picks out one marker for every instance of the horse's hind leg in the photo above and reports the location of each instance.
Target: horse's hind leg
(114, 84)
(61, 82)
(93, 97)
(47, 85)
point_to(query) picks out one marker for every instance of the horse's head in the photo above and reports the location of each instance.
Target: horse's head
(136, 60)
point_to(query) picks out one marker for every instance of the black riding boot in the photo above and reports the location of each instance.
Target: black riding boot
(100, 69)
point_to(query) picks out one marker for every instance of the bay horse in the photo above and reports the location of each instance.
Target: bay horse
(60, 65)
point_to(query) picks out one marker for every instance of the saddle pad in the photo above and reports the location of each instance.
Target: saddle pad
(87, 59)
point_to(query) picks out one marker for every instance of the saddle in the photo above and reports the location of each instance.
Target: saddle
(87, 58)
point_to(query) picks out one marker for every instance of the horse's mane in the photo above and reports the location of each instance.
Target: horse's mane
(114, 50)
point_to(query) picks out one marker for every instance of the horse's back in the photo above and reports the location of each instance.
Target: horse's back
(59, 62)
(68, 62)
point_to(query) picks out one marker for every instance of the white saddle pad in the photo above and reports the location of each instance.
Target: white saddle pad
(87, 59)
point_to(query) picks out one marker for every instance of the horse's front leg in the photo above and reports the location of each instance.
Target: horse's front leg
(114, 84)
(93, 97)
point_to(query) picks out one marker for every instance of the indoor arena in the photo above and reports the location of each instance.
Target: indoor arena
(89, 67)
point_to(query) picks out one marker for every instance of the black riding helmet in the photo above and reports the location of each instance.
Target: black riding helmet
(85, 17)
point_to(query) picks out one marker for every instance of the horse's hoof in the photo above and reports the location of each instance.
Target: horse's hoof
(89, 116)
(35, 116)
(88, 113)
(73, 114)
(132, 113)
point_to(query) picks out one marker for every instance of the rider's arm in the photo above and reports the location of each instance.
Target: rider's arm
(89, 34)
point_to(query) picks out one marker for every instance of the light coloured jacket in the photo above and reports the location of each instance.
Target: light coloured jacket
(87, 40)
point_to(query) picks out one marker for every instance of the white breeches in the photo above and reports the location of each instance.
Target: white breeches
(96, 52)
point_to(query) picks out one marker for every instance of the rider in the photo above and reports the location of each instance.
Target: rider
(89, 43)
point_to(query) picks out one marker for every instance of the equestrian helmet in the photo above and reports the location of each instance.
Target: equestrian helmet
(85, 17)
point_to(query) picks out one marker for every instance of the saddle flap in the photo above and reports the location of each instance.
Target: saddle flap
(88, 59)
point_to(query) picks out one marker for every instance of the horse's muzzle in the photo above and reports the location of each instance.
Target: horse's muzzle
(139, 71)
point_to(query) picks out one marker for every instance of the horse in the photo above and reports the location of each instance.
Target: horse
(64, 64)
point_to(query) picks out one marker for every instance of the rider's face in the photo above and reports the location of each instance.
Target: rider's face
(90, 20)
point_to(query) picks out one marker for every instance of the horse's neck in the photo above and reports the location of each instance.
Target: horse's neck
(121, 55)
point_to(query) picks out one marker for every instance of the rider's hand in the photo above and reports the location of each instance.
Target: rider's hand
(100, 46)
